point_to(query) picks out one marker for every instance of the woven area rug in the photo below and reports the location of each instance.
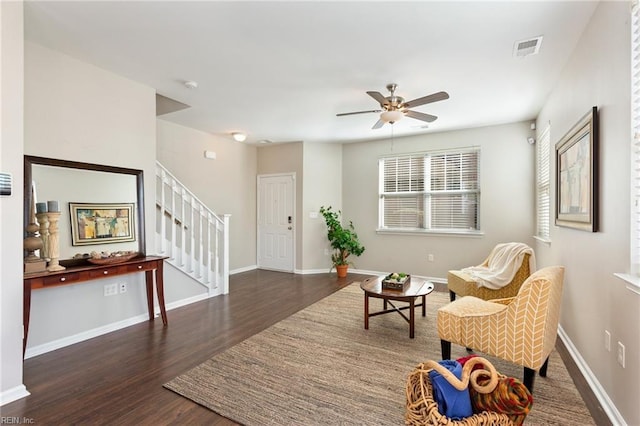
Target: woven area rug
(320, 367)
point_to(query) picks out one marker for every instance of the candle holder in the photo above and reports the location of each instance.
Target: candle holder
(54, 245)
(43, 221)
(32, 243)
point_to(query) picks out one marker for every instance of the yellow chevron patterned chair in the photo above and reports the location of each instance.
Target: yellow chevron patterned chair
(522, 329)
(462, 284)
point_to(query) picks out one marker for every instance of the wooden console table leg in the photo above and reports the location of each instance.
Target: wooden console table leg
(149, 281)
(160, 291)
(424, 306)
(26, 313)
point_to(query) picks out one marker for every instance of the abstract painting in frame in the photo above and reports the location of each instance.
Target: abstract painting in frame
(577, 175)
(102, 223)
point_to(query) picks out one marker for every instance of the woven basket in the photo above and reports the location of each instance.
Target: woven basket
(422, 409)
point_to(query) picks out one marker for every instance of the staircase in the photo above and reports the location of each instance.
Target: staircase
(195, 239)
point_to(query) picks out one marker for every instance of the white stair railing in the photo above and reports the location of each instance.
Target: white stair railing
(195, 239)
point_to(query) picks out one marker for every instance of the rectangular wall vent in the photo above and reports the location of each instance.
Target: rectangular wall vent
(527, 47)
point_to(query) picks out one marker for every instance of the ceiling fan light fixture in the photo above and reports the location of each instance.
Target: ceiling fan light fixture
(391, 116)
(239, 136)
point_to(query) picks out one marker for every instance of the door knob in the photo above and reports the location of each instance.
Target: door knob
(289, 228)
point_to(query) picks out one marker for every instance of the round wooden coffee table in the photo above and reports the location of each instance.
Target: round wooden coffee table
(416, 288)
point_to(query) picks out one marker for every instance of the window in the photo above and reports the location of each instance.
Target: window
(543, 201)
(436, 191)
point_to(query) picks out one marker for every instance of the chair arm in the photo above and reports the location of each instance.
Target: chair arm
(503, 301)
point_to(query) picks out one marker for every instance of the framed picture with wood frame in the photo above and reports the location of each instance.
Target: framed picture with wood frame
(102, 223)
(577, 175)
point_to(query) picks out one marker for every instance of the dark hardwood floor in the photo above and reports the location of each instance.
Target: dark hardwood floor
(117, 378)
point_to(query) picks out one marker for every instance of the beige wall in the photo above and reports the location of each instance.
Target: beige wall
(286, 158)
(227, 184)
(506, 174)
(11, 149)
(594, 300)
(322, 187)
(79, 112)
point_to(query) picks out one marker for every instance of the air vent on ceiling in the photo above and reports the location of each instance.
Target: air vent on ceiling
(527, 47)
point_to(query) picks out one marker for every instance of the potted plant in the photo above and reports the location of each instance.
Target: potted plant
(343, 240)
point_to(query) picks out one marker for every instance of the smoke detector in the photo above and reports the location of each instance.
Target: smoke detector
(527, 47)
(191, 84)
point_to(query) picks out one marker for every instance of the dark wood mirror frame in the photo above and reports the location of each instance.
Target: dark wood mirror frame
(30, 160)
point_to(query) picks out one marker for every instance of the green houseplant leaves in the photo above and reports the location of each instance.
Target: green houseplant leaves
(343, 239)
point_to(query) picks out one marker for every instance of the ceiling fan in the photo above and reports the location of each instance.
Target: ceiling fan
(394, 107)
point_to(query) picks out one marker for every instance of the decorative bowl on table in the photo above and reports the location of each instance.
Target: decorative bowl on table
(396, 281)
(106, 258)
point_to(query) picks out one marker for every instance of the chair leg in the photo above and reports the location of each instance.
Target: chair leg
(452, 296)
(529, 378)
(446, 349)
(543, 369)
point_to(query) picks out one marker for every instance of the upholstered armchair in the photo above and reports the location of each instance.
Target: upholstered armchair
(463, 282)
(522, 329)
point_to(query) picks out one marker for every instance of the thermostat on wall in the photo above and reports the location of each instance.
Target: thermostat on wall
(5, 183)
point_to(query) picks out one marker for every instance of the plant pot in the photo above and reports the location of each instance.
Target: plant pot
(342, 270)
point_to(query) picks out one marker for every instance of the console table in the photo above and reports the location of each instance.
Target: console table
(152, 266)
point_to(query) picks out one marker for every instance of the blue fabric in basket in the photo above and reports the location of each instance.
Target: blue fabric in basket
(452, 403)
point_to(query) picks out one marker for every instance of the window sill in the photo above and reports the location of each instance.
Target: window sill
(545, 241)
(430, 232)
(633, 281)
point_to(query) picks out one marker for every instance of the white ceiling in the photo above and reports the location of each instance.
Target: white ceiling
(281, 70)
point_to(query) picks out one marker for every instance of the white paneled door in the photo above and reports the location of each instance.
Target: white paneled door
(276, 205)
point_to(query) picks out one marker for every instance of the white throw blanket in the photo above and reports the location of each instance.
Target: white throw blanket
(503, 263)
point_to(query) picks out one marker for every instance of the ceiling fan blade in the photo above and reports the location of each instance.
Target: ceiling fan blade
(421, 116)
(378, 97)
(357, 112)
(434, 97)
(378, 124)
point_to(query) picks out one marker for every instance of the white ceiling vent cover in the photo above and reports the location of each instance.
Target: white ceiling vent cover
(527, 47)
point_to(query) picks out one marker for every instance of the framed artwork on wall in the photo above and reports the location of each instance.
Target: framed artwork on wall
(577, 175)
(102, 223)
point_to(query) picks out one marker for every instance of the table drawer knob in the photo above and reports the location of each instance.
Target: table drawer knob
(63, 279)
(139, 266)
(105, 272)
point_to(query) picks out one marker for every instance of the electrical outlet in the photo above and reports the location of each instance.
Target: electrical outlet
(607, 340)
(430, 257)
(110, 289)
(123, 287)
(621, 354)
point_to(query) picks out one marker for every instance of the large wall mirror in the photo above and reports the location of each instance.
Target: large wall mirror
(74, 184)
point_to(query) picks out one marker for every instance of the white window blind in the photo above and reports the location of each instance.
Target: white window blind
(543, 194)
(635, 140)
(437, 191)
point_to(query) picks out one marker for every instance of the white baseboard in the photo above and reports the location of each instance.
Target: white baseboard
(314, 271)
(85, 335)
(243, 269)
(99, 331)
(13, 394)
(601, 395)
(364, 272)
(187, 301)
